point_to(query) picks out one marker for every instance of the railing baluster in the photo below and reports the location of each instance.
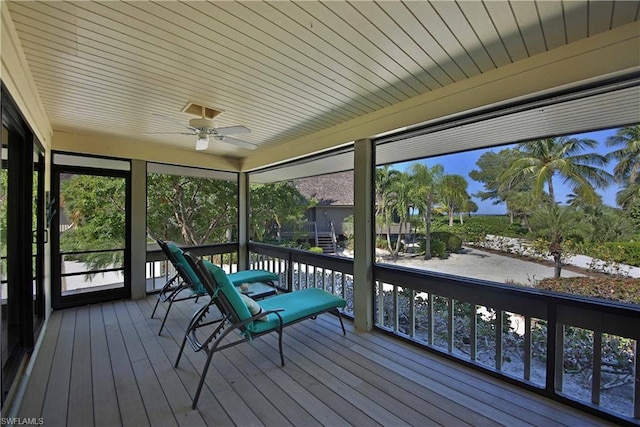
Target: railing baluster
(396, 312)
(473, 334)
(499, 325)
(380, 303)
(431, 317)
(333, 282)
(527, 348)
(636, 392)
(596, 368)
(412, 313)
(450, 324)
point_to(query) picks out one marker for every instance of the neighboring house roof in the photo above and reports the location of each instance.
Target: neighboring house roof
(334, 189)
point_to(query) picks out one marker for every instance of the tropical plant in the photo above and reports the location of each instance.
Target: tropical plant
(628, 156)
(555, 224)
(491, 166)
(453, 194)
(385, 177)
(401, 201)
(424, 195)
(565, 157)
(627, 170)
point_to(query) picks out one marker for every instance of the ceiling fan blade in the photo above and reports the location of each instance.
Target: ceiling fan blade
(239, 143)
(174, 121)
(169, 133)
(232, 130)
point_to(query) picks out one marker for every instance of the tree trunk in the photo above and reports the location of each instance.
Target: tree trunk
(556, 250)
(551, 193)
(511, 217)
(557, 267)
(427, 235)
(461, 219)
(450, 218)
(395, 253)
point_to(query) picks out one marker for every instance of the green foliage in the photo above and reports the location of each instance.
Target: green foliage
(348, 231)
(476, 227)
(439, 249)
(381, 243)
(95, 205)
(616, 289)
(564, 157)
(315, 250)
(453, 242)
(194, 211)
(274, 205)
(620, 252)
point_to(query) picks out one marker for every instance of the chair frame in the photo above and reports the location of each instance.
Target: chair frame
(169, 293)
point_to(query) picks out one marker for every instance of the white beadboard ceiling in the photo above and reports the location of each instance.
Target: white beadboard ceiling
(284, 69)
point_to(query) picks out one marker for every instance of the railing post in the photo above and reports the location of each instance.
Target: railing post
(290, 271)
(555, 339)
(527, 348)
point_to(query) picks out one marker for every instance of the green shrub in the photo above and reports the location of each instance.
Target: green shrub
(381, 243)
(475, 228)
(617, 289)
(439, 249)
(621, 252)
(453, 242)
(315, 250)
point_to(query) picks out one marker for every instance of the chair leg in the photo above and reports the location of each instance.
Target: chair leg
(280, 346)
(163, 291)
(202, 378)
(344, 332)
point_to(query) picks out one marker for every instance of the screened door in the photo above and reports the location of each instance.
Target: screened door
(91, 231)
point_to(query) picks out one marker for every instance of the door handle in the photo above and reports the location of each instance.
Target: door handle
(45, 236)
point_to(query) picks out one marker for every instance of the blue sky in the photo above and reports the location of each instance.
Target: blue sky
(463, 163)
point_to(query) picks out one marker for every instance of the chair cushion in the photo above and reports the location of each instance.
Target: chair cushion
(194, 282)
(251, 276)
(296, 305)
(230, 292)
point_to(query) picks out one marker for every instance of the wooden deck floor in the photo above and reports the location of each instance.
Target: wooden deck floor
(105, 365)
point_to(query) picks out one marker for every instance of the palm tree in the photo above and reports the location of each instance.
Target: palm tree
(627, 171)
(401, 189)
(453, 194)
(385, 176)
(545, 158)
(426, 182)
(628, 157)
(554, 224)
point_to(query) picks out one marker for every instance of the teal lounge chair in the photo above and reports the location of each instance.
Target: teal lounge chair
(251, 319)
(187, 280)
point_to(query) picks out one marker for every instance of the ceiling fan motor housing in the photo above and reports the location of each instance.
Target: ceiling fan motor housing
(201, 123)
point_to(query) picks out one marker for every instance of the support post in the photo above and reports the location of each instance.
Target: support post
(363, 259)
(243, 221)
(138, 229)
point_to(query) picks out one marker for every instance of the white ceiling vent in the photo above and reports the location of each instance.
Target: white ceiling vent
(200, 110)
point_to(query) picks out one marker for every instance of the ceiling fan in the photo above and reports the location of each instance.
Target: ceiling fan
(204, 129)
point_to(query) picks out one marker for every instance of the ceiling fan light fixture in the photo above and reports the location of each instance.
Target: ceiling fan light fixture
(202, 142)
